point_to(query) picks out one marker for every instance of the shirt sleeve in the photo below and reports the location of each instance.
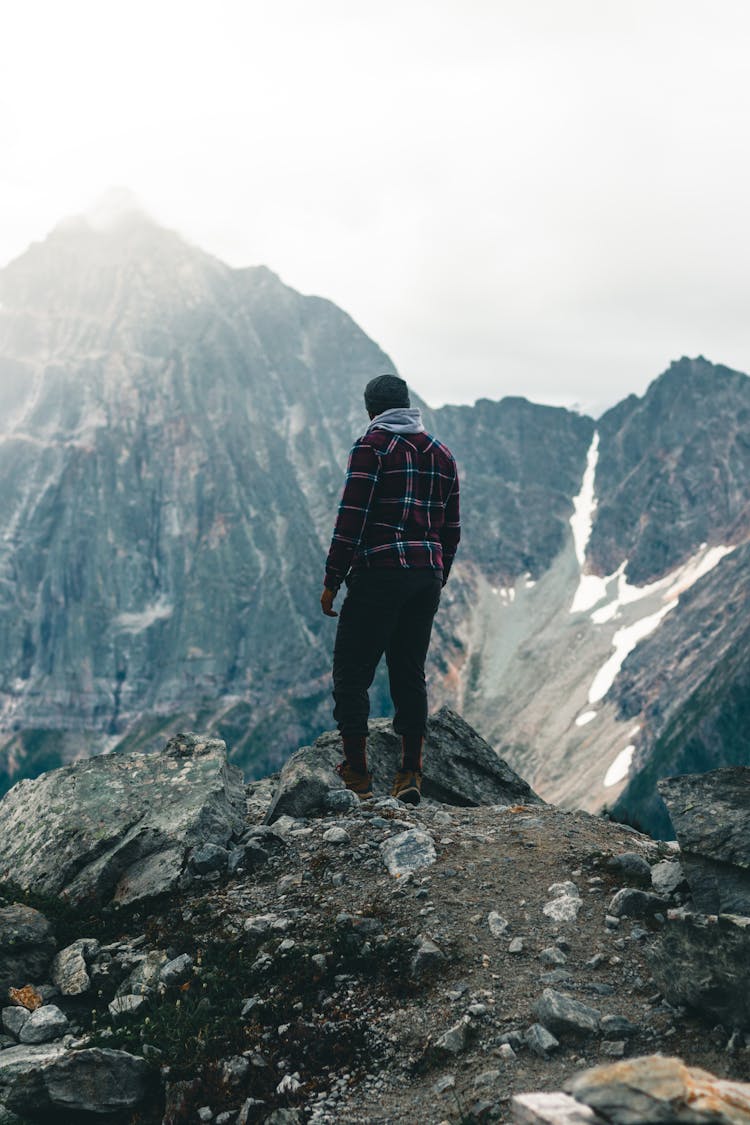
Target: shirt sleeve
(450, 532)
(356, 501)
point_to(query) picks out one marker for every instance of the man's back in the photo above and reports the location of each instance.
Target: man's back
(400, 506)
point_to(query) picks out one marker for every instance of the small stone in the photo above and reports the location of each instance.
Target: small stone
(427, 958)
(617, 1027)
(597, 960)
(447, 1082)
(234, 1070)
(564, 904)
(126, 1005)
(259, 924)
(453, 1041)
(505, 1051)
(69, 971)
(342, 801)
(539, 1040)
(613, 1048)
(499, 926)
(14, 1018)
(633, 903)
(611, 922)
(633, 866)
(208, 858)
(408, 851)
(177, 971)
(552, 956)
(205, 1113)
(43, 1025)
(336, 835)
(516, 945)
(560, 1013)
(667, 877)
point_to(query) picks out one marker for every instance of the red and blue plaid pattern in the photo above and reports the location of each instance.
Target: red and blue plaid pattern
(399, 507)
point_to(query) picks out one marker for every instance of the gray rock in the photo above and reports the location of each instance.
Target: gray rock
(27, 946)
(667, 877)
(561, 1014)
(14, 1018)
(177, 971)
(408, 851)
(126, 1005)
(633, 903)
(498, 925)
(516, 945)
(304, 784)
(44, 1025)
(208, 858)
(427, 958)
(336, 835)
(539, 1040)
(701, 961)
(455, 1039)
(342, 801)
(119, 826)
(144, 979)
(247, 857)
(654, 1090)
(564, 904)
(709, 815)
(52, 1080)
(460, 767)
(617, 1027)
(632, 866)
(552, 956)
(556, 1108)
(69, 968)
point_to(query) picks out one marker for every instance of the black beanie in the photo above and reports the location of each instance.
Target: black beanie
(385, 392)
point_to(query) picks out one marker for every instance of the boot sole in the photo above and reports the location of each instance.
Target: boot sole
(410, 796)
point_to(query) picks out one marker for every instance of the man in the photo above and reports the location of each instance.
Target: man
(395, 538)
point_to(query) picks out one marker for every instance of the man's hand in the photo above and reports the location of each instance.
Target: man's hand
(326, 602)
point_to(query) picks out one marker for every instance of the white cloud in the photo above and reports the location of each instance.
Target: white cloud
(539, 199)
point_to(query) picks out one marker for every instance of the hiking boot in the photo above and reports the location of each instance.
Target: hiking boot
(407, 786)
(359, 783)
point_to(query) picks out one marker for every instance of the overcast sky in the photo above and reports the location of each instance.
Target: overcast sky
(536, 197)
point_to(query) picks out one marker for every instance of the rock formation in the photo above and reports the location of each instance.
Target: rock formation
(364, 962)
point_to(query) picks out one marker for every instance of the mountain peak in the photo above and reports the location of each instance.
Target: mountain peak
(114, 208)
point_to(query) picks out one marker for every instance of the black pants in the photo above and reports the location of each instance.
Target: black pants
(385, 611)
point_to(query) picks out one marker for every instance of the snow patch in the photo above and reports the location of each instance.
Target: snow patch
(620, 768)
(667, 589)
(145, 618)
(624, 642)
(584, 504)
(584, 718)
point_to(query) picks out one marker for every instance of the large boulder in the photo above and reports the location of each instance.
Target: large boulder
(48, 1083)
(653, 1089)
(709, 813)
(702, 961)
(460, 768)
(120, 827)
(27, 946)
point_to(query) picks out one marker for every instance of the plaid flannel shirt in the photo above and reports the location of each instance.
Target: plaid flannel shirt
(400, 506)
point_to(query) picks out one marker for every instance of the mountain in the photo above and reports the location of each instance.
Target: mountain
(172, 445)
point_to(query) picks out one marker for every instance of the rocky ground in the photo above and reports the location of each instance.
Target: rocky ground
(373, 963)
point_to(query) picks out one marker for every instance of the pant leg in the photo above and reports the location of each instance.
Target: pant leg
(367, 619)
(406, 652)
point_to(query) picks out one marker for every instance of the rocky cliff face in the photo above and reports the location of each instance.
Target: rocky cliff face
(172, 444)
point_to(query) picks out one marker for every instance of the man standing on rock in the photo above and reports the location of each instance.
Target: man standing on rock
(393, 544)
